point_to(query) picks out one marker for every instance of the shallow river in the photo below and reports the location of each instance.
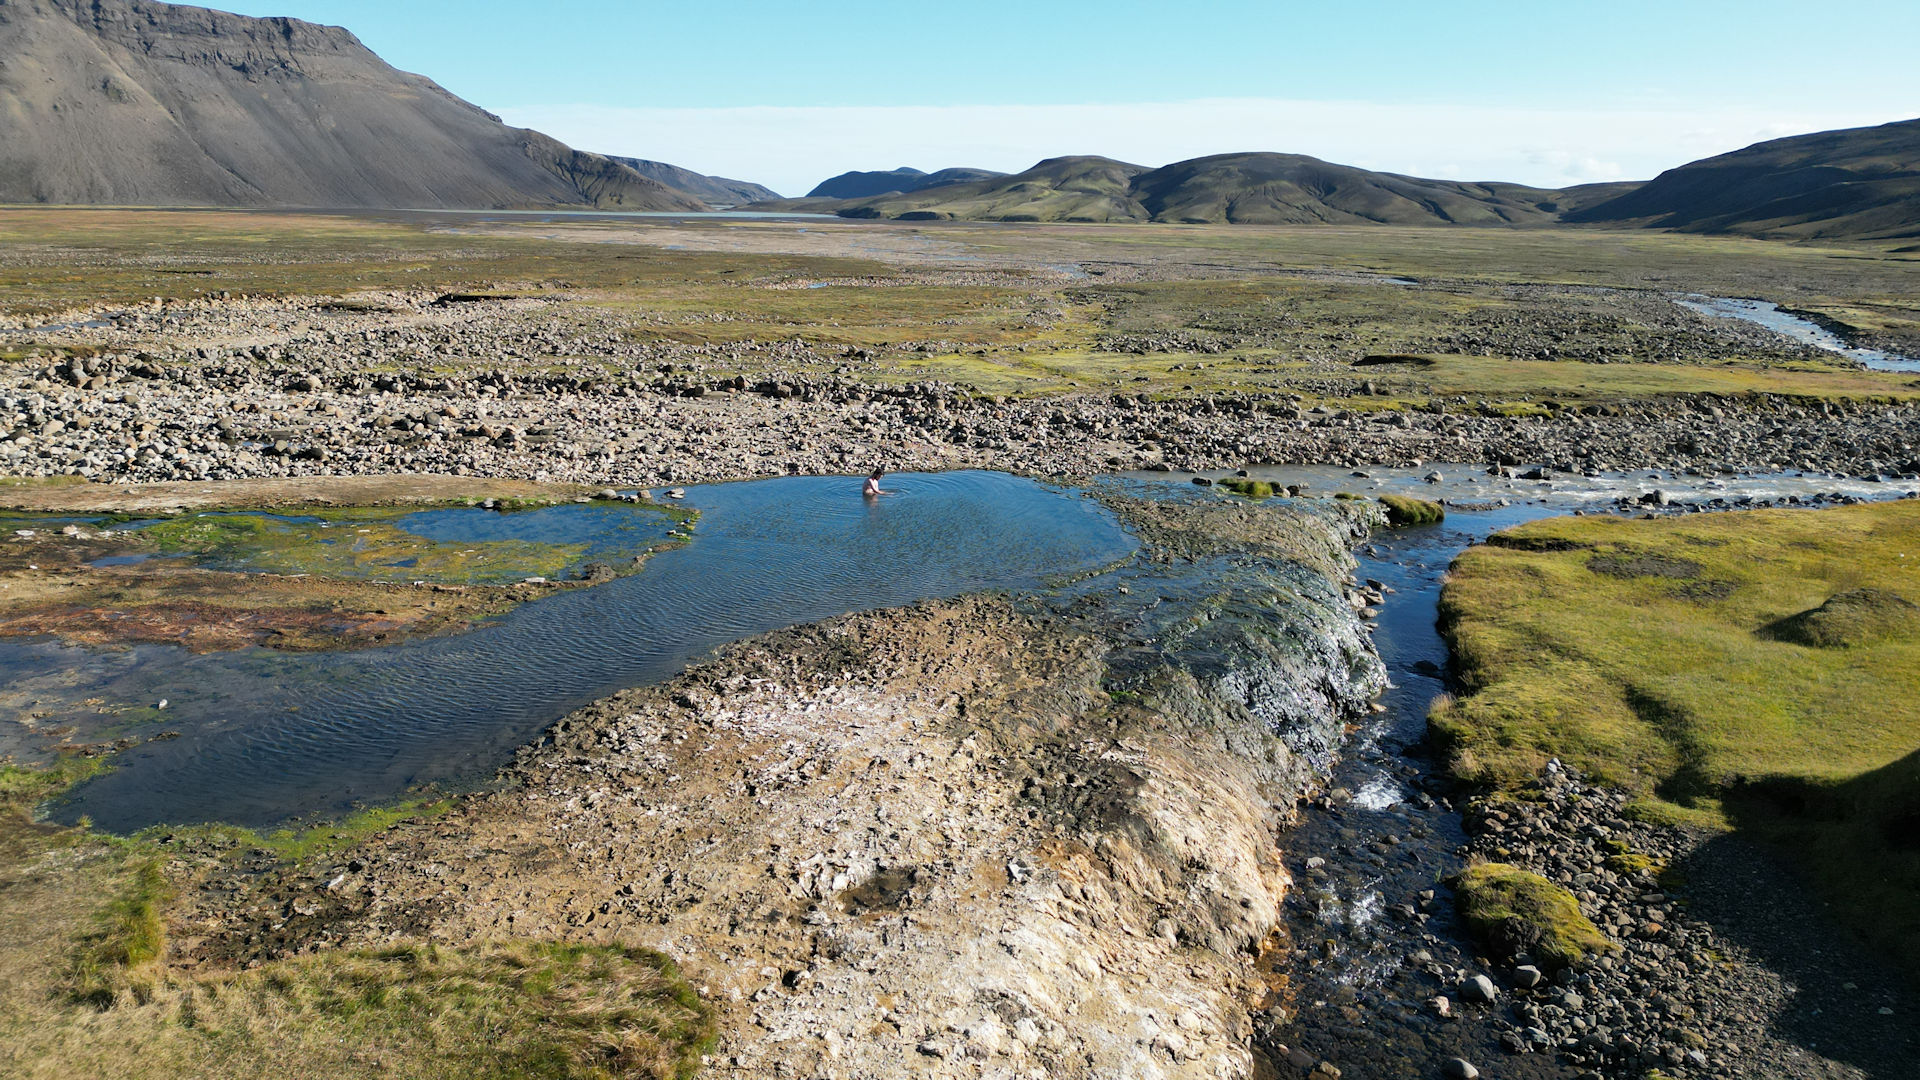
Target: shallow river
(265, 736)
(1804, 331)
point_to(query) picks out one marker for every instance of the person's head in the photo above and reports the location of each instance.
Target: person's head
(877, 473)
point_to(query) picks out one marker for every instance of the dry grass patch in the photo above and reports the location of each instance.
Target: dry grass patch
(85, 989)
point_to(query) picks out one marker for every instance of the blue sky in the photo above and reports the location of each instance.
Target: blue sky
(790, 93)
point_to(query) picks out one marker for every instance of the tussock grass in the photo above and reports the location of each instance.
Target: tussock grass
(1857, 617)
(492, 1010)
(129, 938)
(1743, 670)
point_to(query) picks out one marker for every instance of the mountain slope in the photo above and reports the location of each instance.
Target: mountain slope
(1270, 189)
(713, 190)
(863, 185)
(1855, 183)
(137, 102)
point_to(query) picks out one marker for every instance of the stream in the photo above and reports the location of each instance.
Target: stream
(1363, 940)
(258, 737)
(1803, 330)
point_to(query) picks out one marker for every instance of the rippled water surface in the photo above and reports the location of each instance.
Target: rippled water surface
(266, 736)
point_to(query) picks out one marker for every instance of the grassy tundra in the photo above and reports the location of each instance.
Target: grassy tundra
(1756, 670)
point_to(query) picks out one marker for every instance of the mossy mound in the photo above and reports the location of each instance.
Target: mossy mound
(1856, 617)
(1631, 862)
(1407, 510)
(1252, 489)
(1514, 911)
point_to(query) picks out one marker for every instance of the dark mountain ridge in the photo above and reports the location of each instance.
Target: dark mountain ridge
(713, 190)
(1851, 183)
(138, 102)
(1250, 188)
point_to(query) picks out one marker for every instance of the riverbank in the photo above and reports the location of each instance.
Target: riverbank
(1755, 669)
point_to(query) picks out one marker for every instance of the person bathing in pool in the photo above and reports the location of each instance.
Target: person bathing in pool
(871, 489)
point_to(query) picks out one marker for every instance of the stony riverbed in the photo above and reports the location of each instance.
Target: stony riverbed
(524, 387)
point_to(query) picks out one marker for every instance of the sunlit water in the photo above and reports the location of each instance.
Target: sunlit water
(266, 735)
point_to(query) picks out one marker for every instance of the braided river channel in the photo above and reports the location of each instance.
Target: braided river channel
(265, 736)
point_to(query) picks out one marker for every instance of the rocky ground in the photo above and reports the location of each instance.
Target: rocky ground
(1706, 982)
(221, 389)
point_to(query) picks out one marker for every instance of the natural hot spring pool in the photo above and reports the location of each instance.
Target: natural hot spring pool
(264, 735)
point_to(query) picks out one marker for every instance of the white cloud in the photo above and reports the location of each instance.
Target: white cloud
(792, 149)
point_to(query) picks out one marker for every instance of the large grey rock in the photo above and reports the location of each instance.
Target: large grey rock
(1479, 988)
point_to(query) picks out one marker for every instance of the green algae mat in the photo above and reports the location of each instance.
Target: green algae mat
(458, 545)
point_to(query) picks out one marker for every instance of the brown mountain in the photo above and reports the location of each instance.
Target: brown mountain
(136, 102)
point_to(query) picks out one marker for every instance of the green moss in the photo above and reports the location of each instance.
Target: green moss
(1252, 489)
(367, 543)
(130, 935)
(23, 786)
(1631, 863)
(1406, 510)
(304, 842)
(1515, 911)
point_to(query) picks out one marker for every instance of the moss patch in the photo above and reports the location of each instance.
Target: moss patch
(354, 544)
(1406, 510)
(1514, 912)
(1252, 489)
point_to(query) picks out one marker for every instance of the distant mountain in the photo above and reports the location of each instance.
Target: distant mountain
(137, 102)
(861, 185)
(1861, 183)
(713, 190)
(1057, 189)
(1269, 189)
